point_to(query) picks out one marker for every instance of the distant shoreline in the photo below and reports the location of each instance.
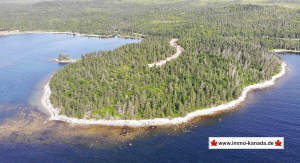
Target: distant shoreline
(16, 32)
(54, 112)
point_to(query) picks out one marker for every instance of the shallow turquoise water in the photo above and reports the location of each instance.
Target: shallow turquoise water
(26, 62)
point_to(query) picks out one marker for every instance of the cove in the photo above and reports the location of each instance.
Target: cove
(24, 135)
(26, 59)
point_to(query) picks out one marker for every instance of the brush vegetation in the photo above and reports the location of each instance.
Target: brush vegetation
(226, 49)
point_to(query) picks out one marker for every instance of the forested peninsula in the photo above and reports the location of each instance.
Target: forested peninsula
(226, 48)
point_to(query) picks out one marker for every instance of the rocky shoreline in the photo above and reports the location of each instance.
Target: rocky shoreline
(54, 112)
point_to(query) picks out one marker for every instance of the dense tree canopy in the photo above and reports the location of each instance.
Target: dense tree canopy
(226, 48)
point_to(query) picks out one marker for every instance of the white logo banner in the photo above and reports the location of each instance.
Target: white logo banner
(246, 143)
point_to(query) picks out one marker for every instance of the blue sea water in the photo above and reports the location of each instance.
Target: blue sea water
(26, 61)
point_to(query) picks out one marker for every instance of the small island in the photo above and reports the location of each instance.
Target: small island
(64, 59)
(186, 65)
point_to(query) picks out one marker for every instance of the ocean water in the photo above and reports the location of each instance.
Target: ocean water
(27, 136)
(26, 59)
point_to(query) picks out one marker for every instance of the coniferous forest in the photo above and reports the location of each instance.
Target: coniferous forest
(226, 48)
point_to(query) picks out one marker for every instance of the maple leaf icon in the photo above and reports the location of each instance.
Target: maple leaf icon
(213, 143)
(278, 143)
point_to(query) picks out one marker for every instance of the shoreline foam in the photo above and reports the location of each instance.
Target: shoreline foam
(285, 51)
(157, 121)
(65, 61)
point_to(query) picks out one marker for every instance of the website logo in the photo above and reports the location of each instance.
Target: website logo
(246, 143)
